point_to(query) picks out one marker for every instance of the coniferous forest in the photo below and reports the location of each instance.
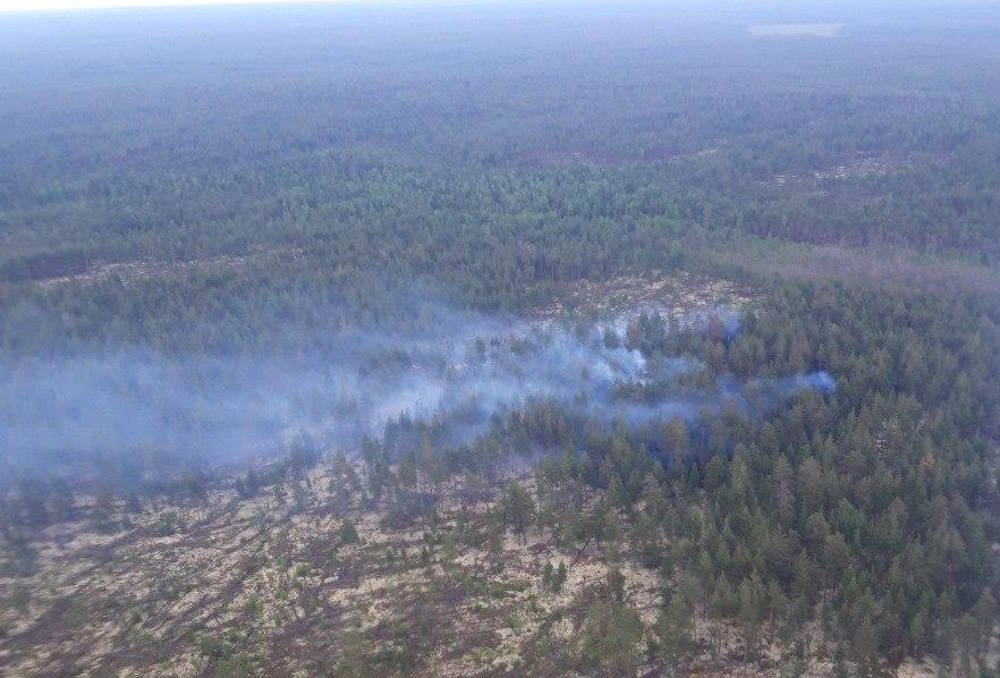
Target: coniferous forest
(500, 339)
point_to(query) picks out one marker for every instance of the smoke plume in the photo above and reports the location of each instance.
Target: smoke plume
(461, 370)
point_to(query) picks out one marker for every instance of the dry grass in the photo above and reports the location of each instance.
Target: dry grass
(271, 580)
(264, 585)
(675, 295)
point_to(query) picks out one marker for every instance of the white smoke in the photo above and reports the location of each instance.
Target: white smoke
(229, 407)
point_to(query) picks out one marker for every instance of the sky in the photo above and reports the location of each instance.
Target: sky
(60, 5)
(21, 6)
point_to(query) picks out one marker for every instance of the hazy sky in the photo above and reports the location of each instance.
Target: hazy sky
(48, 5)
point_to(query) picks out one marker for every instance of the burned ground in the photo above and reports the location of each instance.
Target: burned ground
(268, 585)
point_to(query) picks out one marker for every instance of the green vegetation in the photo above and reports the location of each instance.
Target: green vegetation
(348, 533)
(358, 171)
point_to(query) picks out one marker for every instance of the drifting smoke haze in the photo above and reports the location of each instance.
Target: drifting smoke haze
(460, 371)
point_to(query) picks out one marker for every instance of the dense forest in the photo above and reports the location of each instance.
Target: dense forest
(215, 203)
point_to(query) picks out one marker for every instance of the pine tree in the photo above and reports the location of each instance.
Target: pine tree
(519, 509)
(348, 532)
(559, 578)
